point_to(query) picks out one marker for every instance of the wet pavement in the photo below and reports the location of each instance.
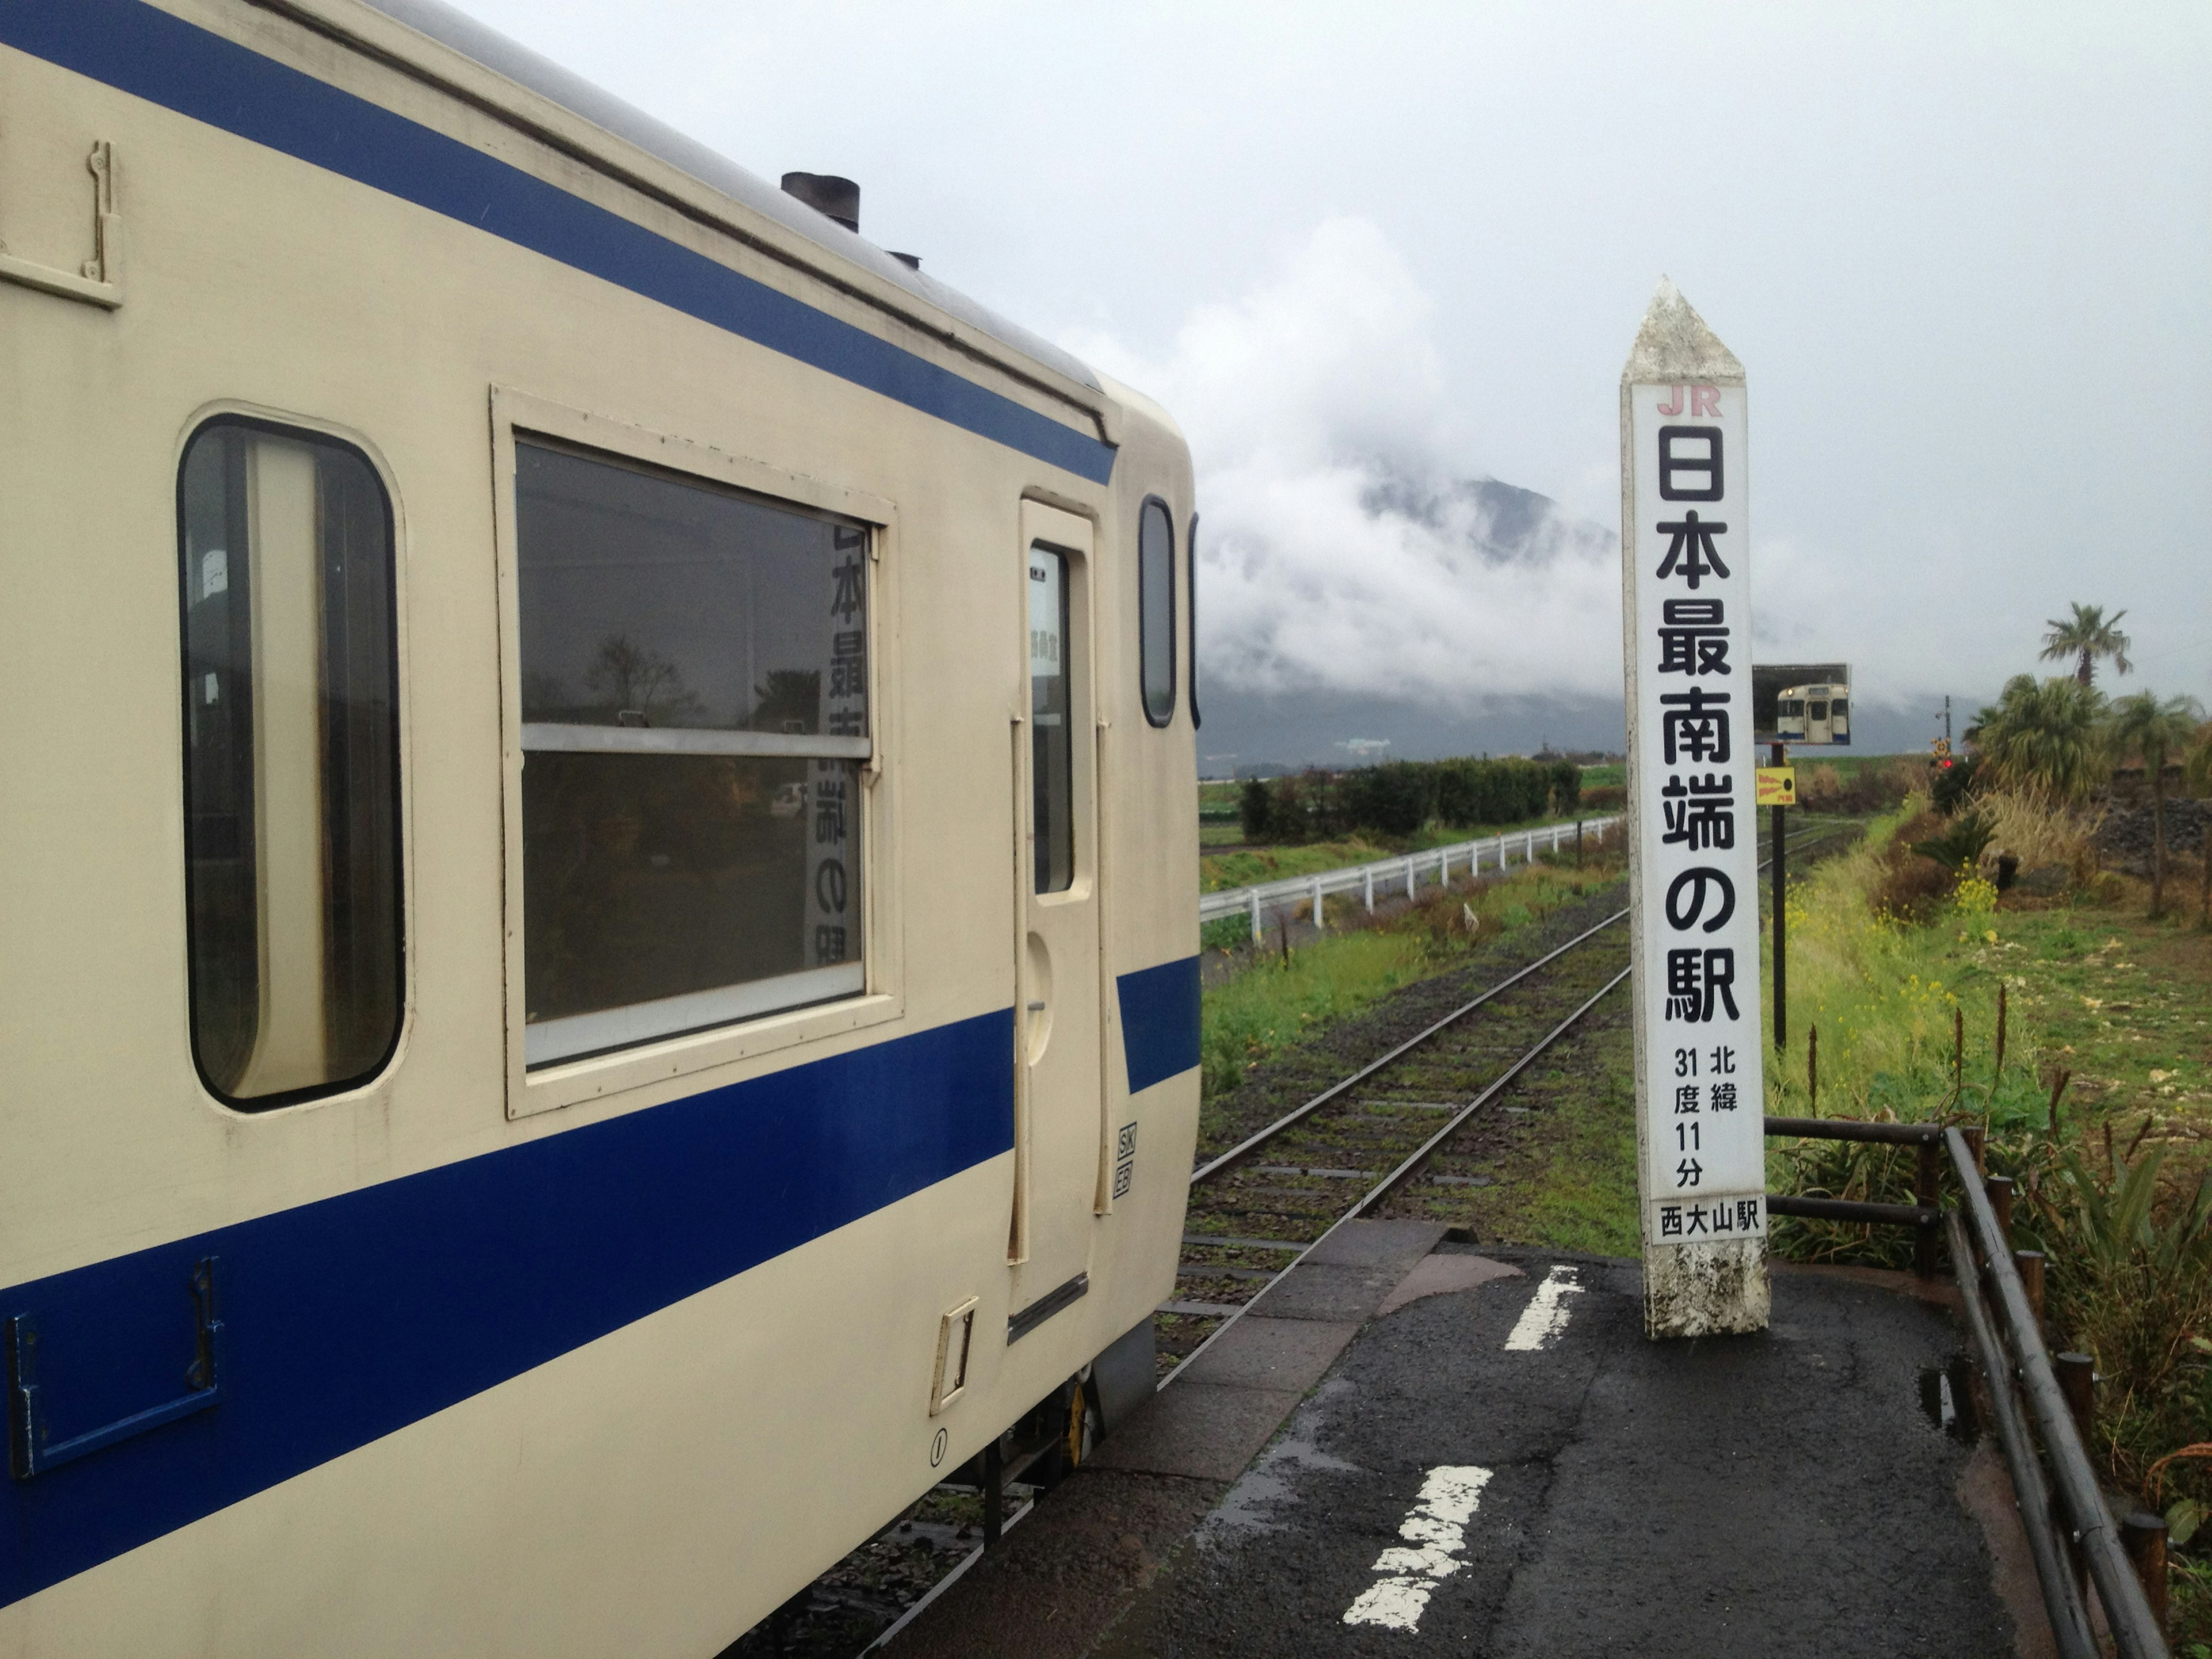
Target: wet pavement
(1480, 1452)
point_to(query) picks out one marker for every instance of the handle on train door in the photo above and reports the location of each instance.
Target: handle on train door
(29, 1451)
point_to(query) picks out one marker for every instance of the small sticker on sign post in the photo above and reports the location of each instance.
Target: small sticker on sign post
(1777, 786)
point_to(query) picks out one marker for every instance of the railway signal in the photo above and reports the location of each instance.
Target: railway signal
(1694, 875)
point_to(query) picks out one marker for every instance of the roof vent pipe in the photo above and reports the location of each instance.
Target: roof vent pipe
(827, 194)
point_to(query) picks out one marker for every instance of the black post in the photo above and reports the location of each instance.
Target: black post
(1927, 1195)
(1781, 928)
(995, 1493)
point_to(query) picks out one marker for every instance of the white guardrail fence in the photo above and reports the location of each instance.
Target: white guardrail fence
(1390, 877)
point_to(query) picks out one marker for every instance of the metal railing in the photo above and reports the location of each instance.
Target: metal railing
(1399, 875)
(2071, 1530)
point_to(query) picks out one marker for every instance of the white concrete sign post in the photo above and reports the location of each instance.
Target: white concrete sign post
(1694, 875)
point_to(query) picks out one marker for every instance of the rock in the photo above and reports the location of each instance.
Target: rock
(2124, 838)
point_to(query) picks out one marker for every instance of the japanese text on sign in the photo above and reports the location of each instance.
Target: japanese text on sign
(1698, 974)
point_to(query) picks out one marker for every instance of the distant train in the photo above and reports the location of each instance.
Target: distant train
(1813, 713)
(601, 981)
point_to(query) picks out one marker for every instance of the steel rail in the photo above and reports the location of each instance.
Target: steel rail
(2128, 1614)
(1260, 1138)
(2061, 1599)
(1390, 1180)
(1414, 1159)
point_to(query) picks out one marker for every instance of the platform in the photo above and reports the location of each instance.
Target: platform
(1462, 1451)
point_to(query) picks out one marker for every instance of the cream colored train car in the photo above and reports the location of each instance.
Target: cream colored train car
(596, 862)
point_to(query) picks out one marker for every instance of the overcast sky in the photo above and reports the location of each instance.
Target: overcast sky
(1964, 251)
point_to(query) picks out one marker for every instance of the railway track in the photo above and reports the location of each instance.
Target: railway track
(1383, 1134)
(1367, 1141)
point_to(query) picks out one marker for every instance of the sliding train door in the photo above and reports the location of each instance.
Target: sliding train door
(1058, 1071)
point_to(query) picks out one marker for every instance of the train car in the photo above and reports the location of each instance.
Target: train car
(1813, 713)
(601, 981)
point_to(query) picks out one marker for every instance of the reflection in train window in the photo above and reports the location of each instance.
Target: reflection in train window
(291, 762)
(1156, 609)
(695, 716)
(1052, 738)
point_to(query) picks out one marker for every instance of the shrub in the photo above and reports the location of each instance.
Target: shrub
(1396, 797)
(1254, 807)
(1913, 886)
(1858, 789)
(2041, 831)
(2044, 736)
(1567, 785)
(1604, 798)
(1960, 844)
(1951, 786)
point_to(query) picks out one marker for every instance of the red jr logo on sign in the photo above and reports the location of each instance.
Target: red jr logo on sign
(1704, 400)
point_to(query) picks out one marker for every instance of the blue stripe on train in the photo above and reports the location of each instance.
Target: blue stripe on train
(354, 1317)
(154, 55)
(1159, 1022)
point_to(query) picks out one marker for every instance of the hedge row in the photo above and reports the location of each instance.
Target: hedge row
(1398, 797)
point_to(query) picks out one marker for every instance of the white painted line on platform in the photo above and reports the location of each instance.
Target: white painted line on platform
(1437, 1527)
(1545, 1315)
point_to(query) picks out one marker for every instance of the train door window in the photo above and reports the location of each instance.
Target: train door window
(291, 762)
(1156, 609)
(1052, 737)
(695, 718)
(1190, 576)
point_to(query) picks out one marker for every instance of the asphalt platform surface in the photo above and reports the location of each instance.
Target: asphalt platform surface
(1779, 1494)
(1423, 1447)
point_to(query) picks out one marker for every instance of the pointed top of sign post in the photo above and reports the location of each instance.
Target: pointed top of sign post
(1675, 346)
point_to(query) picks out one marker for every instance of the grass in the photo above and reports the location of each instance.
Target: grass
(1273, 1004)
(2089, 987)
(1566, 1174)
(1270, 1006)
(2114, 1190)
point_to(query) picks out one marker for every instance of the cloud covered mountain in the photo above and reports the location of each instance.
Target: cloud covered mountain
(1342, 549)
(1358, 580)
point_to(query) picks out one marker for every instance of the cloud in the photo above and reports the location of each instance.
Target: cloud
(1348, 542)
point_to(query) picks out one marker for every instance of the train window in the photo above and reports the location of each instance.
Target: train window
(1052, 737)
(1156, 609)
(1839, 708)
(1819, 711)
(291, 762)
(1190, 577)
(695, 718)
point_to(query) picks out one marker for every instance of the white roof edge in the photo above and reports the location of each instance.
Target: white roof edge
(490, 50)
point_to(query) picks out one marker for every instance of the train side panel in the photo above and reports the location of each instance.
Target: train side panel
(619, 1370)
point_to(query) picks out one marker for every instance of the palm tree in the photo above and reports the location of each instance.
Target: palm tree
(2041, 735)
(2085, 636)
(2146, 726)
(2197, 773)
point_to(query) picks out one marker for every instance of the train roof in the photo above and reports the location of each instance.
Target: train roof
(490, 50)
